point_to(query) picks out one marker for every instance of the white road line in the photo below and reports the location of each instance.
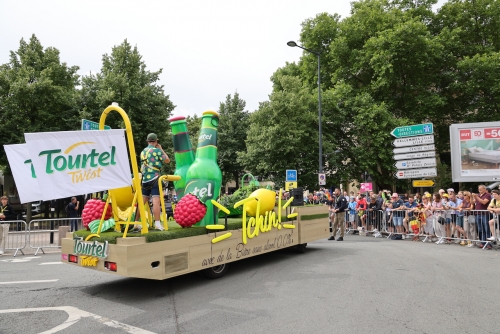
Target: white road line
(24, 259)
(75, 315)
(46, 263)
(27, 282)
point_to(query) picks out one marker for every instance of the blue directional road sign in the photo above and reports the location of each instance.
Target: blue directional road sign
(291, 175)
(90, 125)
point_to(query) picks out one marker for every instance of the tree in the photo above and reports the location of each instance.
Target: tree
(317, 35)
(233, 127)
(124, 79)
(194, 126)
(37, 93)
(282, 135)
(382, 60)
(364, 139)
(391, 63)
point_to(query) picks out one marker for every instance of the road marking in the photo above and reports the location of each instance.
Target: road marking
(75, 315)
(24, 259)
(46, 263)
(27, 282)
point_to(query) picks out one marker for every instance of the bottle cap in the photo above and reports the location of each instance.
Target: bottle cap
(210, 112)
(177, 118)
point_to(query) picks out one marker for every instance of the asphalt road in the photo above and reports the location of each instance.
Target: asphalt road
(360, 285)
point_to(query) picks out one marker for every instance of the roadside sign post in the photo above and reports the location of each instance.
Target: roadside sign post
(415, 153)
(413, 130)
(418, 163)
(291, 179)
(413, 141)
(322, 179)
(415, 173)
(91, 125)
(422, 183)
(415, 149)
(291, 175)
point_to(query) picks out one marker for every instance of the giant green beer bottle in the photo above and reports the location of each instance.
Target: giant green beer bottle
(204, 177)
(183, 151)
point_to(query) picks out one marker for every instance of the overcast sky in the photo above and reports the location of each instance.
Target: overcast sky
(207, 49)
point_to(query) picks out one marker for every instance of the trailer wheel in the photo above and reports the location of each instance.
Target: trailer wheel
(301, 248)
(217, 271)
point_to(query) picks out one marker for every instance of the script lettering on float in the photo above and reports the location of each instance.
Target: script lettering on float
(262, 223)
(242, 250)
(93, 248)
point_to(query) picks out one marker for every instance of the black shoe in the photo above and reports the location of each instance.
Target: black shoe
(331, 238)
(340, 239)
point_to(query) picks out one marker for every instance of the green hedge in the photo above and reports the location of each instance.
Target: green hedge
(153, 236)
(312, 217)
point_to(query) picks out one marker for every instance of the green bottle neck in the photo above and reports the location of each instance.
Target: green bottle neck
(183, 150)
(207, 141)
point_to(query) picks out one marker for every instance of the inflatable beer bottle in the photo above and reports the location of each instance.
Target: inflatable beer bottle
(183, 151)
(204, 177)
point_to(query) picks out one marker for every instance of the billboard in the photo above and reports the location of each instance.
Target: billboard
(475, 152)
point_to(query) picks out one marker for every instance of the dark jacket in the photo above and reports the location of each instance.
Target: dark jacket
(8, 211)
(72, 211)
(341, 203)
(377, 206)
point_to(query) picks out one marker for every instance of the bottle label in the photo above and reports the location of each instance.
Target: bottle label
(208, 137)
(182, 143)
(204, 189)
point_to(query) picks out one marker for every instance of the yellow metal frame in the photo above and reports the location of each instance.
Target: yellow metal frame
(133, 161)
(162, 200)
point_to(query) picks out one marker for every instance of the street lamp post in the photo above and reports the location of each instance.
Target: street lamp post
(293, 44)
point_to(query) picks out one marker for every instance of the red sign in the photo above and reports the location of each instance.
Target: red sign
(479, 133)
(492, 133)
(465, 135)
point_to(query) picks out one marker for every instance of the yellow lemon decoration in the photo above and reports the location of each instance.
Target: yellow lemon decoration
(267, 199)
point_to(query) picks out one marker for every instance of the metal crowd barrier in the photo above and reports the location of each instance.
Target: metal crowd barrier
(44, 233)
(371, 222)
(475, 224)
(17, 237)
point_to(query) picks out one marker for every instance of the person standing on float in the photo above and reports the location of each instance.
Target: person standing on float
(152, 159)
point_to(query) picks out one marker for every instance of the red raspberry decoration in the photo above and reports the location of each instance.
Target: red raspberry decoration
(93, 210)
(189, 211)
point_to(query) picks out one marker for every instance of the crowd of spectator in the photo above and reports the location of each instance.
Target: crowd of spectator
(463, 217)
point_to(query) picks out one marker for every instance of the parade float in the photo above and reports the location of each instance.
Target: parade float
(197, 239)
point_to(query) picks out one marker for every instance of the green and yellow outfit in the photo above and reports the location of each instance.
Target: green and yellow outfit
(151, 161)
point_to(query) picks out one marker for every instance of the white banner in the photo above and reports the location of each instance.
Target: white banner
(69, 163)
(23, 172)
